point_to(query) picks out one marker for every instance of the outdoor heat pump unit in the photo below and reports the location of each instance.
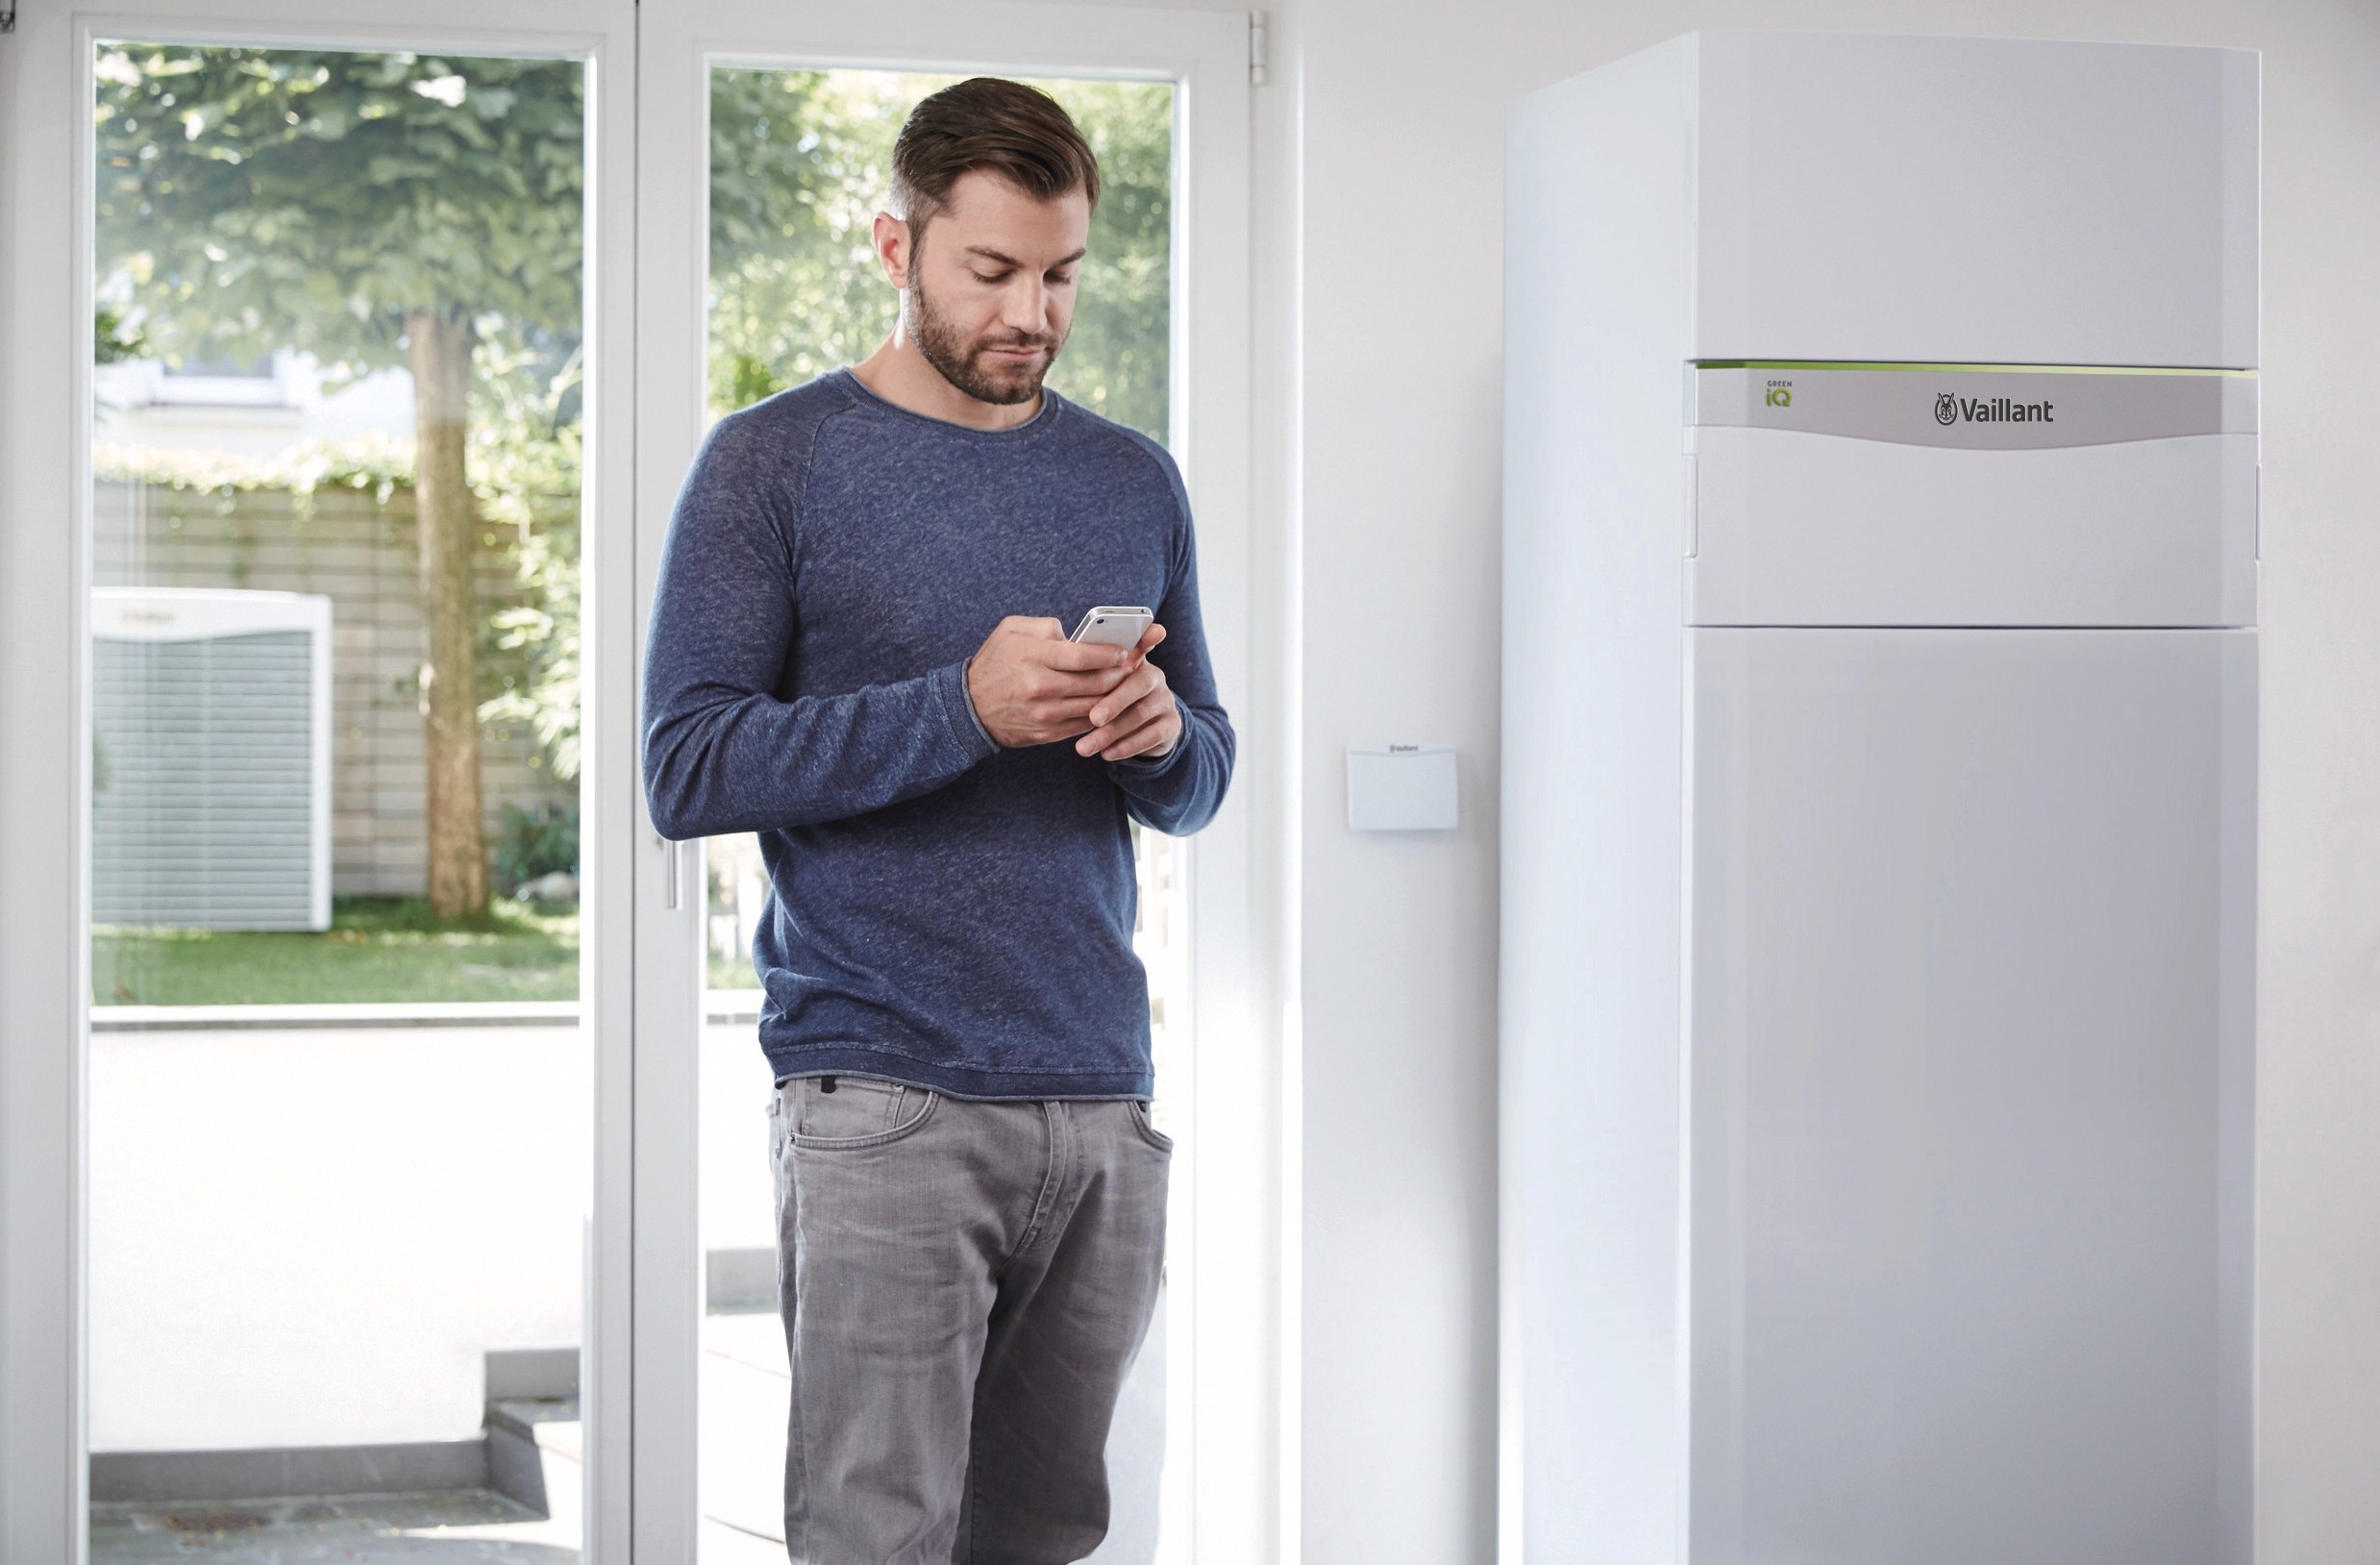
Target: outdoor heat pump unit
(1879, 806)
(211, 799)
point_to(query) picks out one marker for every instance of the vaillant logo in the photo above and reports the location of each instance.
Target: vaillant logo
(1949, 408)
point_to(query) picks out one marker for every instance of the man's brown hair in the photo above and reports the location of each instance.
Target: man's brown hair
(1005, 127)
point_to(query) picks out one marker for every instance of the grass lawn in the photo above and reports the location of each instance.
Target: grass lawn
(733, 972)
(377, 948)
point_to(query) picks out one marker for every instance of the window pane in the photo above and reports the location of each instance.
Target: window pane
(339, 1128)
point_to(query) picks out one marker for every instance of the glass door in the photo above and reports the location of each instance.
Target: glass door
(768, 133)
(318, 1071)
(350, 1125)
(799, 157)
(340, 1093)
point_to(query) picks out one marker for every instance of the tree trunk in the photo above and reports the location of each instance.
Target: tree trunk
(446, 521)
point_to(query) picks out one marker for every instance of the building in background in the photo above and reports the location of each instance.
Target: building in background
(184, 498)
(265, 409)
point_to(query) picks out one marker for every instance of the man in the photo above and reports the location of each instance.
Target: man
(860, 651)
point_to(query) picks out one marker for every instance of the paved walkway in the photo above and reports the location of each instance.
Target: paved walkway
(744, 1405)
(477, 1527)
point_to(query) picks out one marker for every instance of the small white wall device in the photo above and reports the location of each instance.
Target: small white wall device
(1878, 806)
(1402, 787)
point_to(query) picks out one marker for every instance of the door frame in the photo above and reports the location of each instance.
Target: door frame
(45, 344)
(1222, 1397)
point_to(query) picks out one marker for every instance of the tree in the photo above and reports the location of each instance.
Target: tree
(374, 209)
(525, 450)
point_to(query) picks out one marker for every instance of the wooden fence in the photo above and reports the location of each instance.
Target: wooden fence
(360, 553)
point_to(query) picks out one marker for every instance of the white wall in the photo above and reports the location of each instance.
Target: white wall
(315, 1236)
(303, 1237)
(1379, 158)
(1401, 105)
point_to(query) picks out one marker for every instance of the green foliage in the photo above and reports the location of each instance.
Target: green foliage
(801, 164)
(524, 463)
(114, 338)
(1118, 357)
(530, 845)
(370, 464)
(258, 198)
(251, 199)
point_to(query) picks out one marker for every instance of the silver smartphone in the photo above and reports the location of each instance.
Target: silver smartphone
(1112, 625)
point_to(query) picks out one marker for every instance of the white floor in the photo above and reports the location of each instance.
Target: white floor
(744, 1411)
(743, 1433)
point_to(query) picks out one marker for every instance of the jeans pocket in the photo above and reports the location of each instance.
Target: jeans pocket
(1148, 1127)
(858, 1111)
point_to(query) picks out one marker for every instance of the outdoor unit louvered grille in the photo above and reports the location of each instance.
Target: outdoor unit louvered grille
(210, 712)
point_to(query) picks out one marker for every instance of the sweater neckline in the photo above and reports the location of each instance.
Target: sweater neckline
(1041, 421)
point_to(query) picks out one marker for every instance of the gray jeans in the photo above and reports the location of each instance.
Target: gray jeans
(964, 1286)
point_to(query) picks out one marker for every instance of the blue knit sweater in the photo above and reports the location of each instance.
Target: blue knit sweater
(944, 911)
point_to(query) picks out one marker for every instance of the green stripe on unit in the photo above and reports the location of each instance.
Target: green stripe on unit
(1961, 369)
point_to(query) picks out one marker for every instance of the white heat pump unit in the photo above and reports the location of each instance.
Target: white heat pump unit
(1879, 806)
(210, 715)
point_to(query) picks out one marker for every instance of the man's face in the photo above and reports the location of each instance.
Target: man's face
(990, 293)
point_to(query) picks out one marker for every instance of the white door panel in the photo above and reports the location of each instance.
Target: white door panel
(1970, 1095)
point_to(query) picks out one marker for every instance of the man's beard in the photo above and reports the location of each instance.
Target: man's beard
(957, 360)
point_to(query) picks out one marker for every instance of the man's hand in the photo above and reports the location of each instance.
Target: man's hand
(1138, 717)
(1031, 685)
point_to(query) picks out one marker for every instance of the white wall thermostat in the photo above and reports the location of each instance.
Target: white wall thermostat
(1400, 787)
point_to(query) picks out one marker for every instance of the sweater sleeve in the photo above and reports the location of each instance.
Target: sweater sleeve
(721, 752)
(1179, 791)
